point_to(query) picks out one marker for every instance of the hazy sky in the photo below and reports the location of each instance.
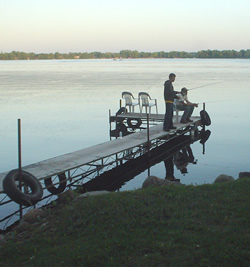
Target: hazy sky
(114, 25)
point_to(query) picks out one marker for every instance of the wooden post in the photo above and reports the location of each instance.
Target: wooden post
(109, 125)
(19, 152)
(116, 127)
(148, 144)
(148, 141)
(204, 128)
(20, 162)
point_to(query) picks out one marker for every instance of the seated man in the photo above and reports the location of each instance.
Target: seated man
(182, 158)
(182, 103)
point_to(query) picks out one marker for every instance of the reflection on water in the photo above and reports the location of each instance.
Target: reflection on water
(180, 159)
(177, 151)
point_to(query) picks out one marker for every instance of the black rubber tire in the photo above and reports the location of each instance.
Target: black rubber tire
(204, 136)
(11, 188)
(61, 187)
(132, 125)
(205, 119)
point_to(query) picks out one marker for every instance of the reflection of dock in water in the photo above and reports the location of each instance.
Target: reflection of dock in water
(98, 153)
(144, 136)
(115, 178)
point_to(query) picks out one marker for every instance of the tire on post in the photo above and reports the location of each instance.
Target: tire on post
(33, 190)
(51, 187)
(204, 136)
(205, 119)
(134, 123)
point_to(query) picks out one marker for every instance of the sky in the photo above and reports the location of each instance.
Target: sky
(49, 26)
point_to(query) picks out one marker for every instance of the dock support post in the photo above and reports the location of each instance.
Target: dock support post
(148, 144)
(20, 162)
(109, 125)
(203, 128)
(116, 128)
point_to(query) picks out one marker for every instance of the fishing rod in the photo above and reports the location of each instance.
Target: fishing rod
(219, 101)
(203, 86)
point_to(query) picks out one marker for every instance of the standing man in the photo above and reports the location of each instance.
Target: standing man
(182, 103)
(169, 95)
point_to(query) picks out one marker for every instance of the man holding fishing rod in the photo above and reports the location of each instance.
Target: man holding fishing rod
(182, 103)
(169, 96)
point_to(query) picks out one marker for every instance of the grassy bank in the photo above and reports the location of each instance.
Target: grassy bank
(170, 226)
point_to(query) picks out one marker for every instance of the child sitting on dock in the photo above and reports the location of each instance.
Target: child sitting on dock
(182, 103)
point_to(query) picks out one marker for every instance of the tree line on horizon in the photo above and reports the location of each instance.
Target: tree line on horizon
(15, 55)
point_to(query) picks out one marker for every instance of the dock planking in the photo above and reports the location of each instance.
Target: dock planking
(66, 162)
(157, 117)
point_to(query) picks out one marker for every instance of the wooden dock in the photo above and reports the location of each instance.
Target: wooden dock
(152, 116)
(86, 156)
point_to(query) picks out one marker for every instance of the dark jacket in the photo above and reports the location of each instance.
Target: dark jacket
(169, 93)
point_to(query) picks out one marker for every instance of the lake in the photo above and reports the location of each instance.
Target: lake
(64, 106)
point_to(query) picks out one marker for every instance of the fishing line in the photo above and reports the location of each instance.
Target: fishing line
(203, 86)
(219, 101)
(215, 165)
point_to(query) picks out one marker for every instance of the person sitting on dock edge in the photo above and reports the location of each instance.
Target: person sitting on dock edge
(182, 103)
(169, 95)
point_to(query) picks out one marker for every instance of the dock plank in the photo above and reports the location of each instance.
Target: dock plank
(59, 164)
(158, 117)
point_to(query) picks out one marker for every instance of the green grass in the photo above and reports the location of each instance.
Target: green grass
(170, 226)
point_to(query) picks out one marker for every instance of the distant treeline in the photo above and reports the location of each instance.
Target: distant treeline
(15, 55)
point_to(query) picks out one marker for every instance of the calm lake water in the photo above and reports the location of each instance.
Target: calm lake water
(64, 106)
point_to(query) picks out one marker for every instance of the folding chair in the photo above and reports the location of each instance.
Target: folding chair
(130, 101)
(146, 101)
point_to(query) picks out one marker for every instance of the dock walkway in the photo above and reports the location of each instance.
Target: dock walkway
(63, 163)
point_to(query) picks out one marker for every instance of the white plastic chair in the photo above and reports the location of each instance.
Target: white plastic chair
(176, 113)
(130, 101)
(146, 101)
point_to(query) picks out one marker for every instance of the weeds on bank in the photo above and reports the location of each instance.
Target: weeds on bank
(170, 226)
